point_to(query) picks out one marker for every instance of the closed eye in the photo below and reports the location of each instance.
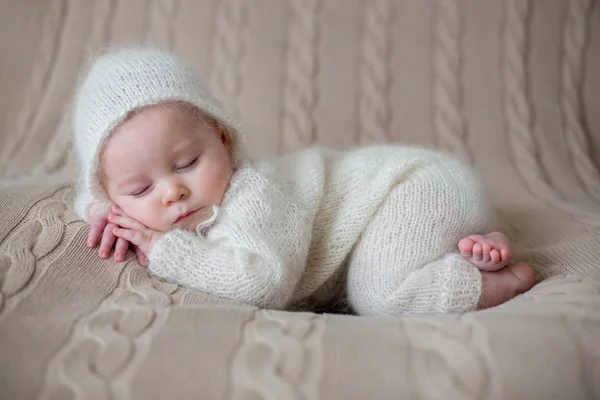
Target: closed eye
(188, 165)
(141, 192)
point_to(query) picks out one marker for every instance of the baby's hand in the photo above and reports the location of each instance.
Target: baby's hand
(134, 231)
(101, 228)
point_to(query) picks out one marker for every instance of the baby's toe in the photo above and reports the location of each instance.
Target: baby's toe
(466, 246)
(505, 254)
(477, 252)
(485, 257)
(494, 256)
(485, 248)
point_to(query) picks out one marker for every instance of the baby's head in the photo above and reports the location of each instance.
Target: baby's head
(165, 161)
(152, 140)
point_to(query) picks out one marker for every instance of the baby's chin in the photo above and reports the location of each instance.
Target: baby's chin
(162, 226)
(190, 223)
(187, 225)
(204, 216)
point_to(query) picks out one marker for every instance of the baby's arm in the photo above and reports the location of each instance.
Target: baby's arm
(83, 202)
(96, 214)
(256, 253)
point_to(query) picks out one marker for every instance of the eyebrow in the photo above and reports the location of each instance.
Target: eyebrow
(187, 145)
(128, 181)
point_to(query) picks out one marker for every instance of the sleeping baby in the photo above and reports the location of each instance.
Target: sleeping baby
(385, 230)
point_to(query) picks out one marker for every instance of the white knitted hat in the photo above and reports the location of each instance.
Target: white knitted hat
(123, 80)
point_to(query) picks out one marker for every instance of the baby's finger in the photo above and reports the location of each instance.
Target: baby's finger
(108, 240)
(121, 249)
(134, 237)
(141, 257)
(125, 222)
(117, 210)
(94, 235)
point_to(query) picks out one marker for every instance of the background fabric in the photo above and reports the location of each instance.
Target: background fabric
(509, 86)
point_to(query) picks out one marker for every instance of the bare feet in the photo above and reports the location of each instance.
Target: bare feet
(490, 252)
(501, 282)
(501, 286)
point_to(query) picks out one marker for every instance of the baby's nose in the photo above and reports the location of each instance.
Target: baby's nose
(175, 193)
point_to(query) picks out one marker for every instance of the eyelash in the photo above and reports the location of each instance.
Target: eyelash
(141, 192)
(188, 165)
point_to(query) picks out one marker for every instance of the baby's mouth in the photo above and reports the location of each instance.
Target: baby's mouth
(184, 216)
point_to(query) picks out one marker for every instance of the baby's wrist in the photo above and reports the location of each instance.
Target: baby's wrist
(96, 208)
(156, 237)
(157, 242)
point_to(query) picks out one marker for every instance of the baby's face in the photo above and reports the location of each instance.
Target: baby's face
(166, 168)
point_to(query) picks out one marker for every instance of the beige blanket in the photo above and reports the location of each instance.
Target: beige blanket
(507, 85)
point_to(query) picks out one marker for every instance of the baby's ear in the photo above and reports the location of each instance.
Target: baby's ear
(225, 138)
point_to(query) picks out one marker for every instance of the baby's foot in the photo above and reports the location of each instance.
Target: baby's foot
(501, 286)
(489, 252)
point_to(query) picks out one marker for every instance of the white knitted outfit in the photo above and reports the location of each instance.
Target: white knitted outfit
(384, 221)
(378, 224)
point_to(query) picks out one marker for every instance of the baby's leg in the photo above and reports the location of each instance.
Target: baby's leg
(406, 261)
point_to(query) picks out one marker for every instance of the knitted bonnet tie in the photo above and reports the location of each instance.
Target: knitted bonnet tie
(121, 81)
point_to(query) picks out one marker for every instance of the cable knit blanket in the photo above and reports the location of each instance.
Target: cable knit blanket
(503, 84)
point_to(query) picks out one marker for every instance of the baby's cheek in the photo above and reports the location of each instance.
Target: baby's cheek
(154, 217)
(148, 217)
(148, 212)
(136, 210)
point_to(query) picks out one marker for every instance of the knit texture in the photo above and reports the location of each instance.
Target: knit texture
(380, 223)
(508, 83)
(275, 248)
(119, 82)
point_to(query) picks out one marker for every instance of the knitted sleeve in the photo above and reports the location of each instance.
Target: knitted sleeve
(256, 253)
(83, 200)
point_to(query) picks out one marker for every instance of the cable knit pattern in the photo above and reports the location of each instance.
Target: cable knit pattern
(448, 119)
(161, 15)
(575, 46)
(524, 148)
(478, 382)
(289, 226)
(33, 239)
(73, 326)
(374, 110)
(298, 361)
(228, 52)
(298, 126)
(58, 156)
(36, 89)
(518, 111)
(124, 323)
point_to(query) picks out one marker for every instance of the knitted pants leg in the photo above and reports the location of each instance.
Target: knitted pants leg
(406, 261)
